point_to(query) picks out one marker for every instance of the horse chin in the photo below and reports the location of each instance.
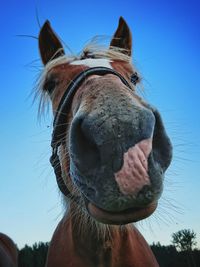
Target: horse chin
(120, 218)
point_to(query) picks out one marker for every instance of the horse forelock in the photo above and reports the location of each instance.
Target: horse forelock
(93, 54)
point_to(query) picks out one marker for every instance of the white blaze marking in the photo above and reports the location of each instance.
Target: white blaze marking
(134, 172)
(93, 62)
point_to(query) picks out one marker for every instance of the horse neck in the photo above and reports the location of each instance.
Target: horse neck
(110, 246)
(78, 242)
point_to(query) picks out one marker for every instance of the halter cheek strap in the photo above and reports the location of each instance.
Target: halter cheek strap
(59, 123)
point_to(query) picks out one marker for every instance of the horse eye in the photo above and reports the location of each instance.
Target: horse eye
(50, 86)
(134, 78)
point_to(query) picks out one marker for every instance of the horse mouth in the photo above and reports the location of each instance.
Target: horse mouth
(120, 218)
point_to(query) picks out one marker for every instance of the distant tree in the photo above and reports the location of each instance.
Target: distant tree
(25, 258)
(184, 240)
(34, 256)
(165, 255)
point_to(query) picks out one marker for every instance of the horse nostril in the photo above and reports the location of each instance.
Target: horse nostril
(145, 194)
(162, 147)
(83, 150)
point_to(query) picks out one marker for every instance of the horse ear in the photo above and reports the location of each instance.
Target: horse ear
(49, 44)
(122, 37)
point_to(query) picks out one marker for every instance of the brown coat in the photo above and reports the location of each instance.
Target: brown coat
(126, 248)
(8, 252)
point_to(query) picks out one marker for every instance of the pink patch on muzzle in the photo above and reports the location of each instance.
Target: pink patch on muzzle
(134, 172)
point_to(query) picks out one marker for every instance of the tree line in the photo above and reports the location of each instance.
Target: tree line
(33, 256)
(182, 252)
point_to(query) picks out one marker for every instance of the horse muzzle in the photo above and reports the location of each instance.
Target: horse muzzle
(118, 158)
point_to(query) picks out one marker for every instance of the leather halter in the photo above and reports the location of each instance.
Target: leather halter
(59, 123)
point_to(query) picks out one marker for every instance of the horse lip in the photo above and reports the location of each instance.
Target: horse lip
(120, 218)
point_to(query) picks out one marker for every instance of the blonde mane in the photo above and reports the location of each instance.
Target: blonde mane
(91, 50)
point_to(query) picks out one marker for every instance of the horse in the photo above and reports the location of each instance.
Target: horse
(8, 252)
(110, 151)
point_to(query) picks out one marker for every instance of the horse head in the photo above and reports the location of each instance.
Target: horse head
(110, 147)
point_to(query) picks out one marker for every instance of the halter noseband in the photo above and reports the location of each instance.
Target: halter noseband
(60, 119)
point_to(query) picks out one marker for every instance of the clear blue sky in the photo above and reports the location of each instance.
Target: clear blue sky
(166, 43)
